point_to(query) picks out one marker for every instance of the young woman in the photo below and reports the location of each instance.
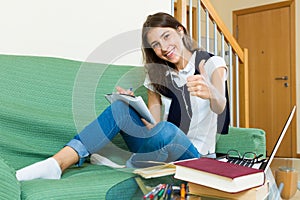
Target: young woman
(192, 97)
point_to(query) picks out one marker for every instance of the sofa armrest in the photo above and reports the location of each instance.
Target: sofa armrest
(243, 140)
(10, 187)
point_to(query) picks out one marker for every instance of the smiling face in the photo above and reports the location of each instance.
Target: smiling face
(168, 45)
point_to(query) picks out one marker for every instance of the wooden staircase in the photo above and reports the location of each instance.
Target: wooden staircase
(207, 28)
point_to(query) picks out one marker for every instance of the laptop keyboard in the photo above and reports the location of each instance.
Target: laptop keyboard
(244, 162)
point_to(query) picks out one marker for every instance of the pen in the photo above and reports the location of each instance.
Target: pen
(168, 194)
(165, 192)
(130, 92)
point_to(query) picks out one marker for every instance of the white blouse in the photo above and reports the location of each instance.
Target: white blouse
(203, 126)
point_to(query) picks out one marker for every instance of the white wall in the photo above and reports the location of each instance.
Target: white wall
(75, 29)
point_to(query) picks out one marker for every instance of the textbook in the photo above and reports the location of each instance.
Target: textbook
(219, 175)
(159, 170)
(256, 193)
(135, 102)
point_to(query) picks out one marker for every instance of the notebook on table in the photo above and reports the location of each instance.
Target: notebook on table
(265, 164)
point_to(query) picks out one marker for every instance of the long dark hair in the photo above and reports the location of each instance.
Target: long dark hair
(155, 66)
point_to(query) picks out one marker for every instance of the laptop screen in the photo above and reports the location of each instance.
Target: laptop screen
(280, 138)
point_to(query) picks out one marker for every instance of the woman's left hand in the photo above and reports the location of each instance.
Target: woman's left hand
(199, 85)
(212, 89)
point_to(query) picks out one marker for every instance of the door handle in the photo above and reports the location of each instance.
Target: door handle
(282, 78)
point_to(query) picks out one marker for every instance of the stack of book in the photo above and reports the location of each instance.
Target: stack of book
(213, 178)
(258, 193)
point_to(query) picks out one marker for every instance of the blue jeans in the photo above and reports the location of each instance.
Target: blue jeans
(164, 143)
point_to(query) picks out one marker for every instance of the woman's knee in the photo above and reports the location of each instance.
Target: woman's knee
(167, 131)
(119, 109)
(119, 105)
(168, 126)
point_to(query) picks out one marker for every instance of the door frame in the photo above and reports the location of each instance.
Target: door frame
(291, 5)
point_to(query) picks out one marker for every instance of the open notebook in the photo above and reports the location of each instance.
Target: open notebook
(265, 164)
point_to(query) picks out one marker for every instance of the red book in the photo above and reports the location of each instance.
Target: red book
(219, 175)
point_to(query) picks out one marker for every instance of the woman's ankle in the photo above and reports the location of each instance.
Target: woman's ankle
(66, 157)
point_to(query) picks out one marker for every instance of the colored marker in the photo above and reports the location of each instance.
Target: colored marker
(182, 191)
(157, 191)
(150, 194)
(162, 191)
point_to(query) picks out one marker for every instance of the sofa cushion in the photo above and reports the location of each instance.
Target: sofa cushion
(87, 182)
(121, 191)
(10, 188)
(243, 140)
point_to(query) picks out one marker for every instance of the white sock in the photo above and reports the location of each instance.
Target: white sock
(46, 169)
(96, 159)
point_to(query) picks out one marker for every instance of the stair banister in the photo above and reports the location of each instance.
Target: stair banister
(241, 55)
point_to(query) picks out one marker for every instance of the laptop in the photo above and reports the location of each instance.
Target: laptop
(265, 164)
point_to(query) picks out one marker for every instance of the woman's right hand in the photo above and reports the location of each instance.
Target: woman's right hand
(123, 91)
(130, 92)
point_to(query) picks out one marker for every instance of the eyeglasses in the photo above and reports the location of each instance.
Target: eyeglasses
(248, 159)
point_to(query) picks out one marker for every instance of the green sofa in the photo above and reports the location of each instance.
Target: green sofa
(45, 101)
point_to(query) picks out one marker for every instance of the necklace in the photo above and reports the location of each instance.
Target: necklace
(182, 92)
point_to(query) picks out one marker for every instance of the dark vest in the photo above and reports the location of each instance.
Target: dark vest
(179, 114)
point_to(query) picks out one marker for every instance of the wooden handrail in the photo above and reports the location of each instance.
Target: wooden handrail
(223, 28)
(181, 16)
(246, 90)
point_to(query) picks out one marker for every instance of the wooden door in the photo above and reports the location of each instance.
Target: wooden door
(266, 32)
